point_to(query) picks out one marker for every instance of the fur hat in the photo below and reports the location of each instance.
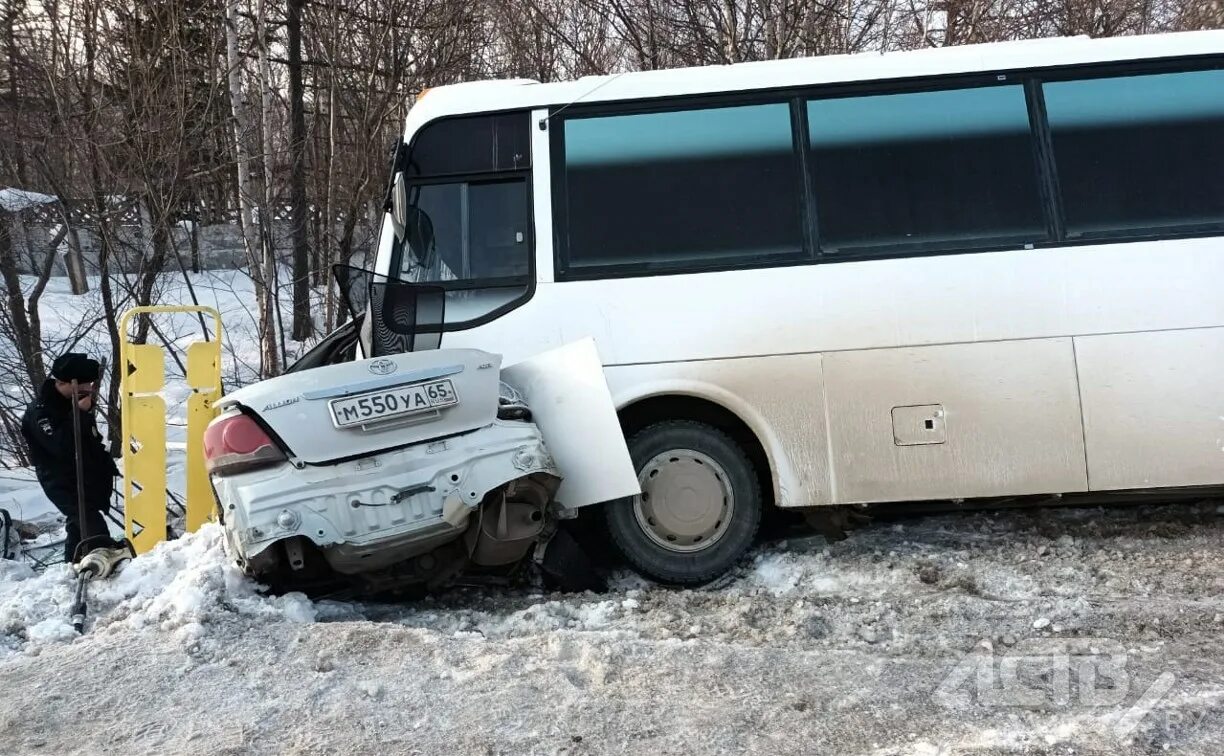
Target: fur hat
(75, 366)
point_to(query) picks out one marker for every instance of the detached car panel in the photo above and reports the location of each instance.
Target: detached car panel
(571, 403)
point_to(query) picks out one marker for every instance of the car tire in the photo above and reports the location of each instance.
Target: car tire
(679, 532)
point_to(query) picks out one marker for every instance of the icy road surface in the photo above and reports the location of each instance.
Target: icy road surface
(1082, 631)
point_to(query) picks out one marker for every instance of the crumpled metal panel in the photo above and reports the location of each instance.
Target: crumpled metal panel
(377, 508)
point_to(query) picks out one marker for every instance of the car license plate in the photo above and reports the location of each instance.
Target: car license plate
(386, 404)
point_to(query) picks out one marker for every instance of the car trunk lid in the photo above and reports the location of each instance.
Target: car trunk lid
(358, 408)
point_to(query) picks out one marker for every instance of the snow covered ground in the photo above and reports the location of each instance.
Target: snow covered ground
(1072, 631)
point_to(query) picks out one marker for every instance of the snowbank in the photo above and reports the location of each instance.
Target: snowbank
(810, 647)
(184, 586)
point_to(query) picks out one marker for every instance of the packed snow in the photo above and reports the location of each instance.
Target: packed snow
(179, 588)
(871, 645)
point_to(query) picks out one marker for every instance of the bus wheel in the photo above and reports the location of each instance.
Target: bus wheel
(700, 504)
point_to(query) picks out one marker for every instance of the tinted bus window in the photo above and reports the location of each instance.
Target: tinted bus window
(1139, 152)
(476, 144)
(953, 168)
(682, 189)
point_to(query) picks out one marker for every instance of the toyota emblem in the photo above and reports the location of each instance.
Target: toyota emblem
(383, 367)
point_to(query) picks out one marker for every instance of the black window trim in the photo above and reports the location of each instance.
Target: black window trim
(807, 206)
(1047, 174)
(1030, 78)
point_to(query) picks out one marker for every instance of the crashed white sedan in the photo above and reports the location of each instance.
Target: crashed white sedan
(411, 468)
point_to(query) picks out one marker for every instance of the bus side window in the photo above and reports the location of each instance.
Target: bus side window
(950, 168)
(681, 189)
(1139, 152)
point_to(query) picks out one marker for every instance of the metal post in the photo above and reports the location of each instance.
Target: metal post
(78, 605)
(80, 463)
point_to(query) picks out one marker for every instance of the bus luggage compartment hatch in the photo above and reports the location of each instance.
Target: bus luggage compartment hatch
(919, 424)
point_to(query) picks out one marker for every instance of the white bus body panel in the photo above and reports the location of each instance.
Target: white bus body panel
(774, 345)
(780, 399)
(1153, 407)
(1003, 417)
(873, 304)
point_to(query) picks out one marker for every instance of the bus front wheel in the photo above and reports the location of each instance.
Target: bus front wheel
(700, 505)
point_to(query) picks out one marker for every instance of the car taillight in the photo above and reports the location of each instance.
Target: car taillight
(236, 443)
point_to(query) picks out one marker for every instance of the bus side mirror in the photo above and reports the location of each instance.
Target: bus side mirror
(399, 207)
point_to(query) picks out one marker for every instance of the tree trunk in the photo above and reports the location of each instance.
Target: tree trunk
(150, 268)
(194, 237)
(344, 250)
(114, 420)
(246, 190)
(15, 302)
(302, 325)
(316, 248)
(152, 262)
(12, 429)
(270, 316)
(38, 367)
(14, 96)
(97, 188)
(329, 212)
(74, 260)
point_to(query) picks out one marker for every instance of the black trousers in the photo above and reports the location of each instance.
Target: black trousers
(94, 523)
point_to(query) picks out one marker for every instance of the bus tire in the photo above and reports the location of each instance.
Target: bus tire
(700, 506)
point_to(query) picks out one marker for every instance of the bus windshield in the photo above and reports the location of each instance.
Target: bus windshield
(466, 232)
(468, 203)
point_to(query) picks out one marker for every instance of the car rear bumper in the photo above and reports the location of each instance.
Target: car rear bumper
(369, 512)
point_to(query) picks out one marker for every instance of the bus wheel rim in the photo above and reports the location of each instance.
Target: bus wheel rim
(686, 503)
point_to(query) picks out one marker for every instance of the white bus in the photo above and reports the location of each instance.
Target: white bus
(964, 273)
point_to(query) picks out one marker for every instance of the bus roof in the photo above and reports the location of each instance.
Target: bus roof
(492, 95)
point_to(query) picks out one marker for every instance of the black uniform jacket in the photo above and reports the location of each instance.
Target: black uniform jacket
(47, 427)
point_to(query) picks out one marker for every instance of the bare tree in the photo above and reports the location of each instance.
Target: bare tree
(302, 324)
(251, 197)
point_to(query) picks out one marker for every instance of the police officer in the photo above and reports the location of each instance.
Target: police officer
(47, 427)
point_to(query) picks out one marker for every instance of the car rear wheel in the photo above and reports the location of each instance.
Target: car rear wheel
(700, 505)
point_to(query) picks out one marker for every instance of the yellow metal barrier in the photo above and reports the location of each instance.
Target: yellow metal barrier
(143, 415)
